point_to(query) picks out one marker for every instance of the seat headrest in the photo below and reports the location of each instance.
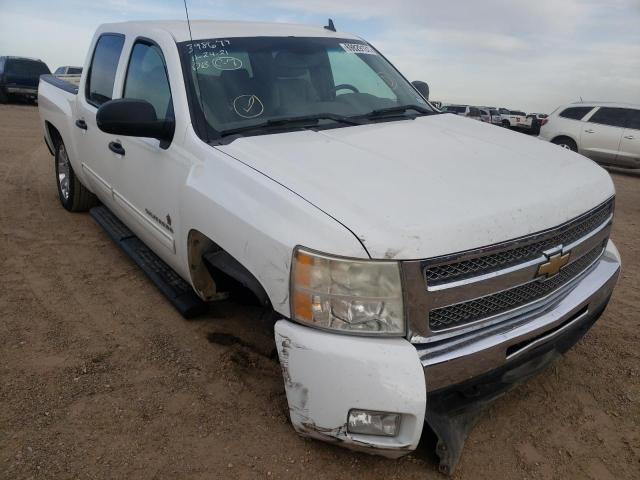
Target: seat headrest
(292, 64)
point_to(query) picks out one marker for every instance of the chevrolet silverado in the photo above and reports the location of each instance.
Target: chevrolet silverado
(418, 263)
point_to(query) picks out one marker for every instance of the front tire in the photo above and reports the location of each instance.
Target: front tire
(565, 142)
(3, 96)
(74, 196)
(506, 124)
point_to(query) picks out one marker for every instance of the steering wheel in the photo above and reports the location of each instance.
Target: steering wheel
(345, 86)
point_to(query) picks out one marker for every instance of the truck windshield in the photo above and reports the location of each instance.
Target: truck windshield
(245, 82)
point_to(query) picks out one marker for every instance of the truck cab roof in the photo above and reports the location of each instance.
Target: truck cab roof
(204, 29)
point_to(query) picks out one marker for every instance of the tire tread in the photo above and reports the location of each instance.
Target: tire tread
(81, 199)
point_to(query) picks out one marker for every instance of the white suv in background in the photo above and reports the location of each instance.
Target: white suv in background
(464, 111)
(607, 133)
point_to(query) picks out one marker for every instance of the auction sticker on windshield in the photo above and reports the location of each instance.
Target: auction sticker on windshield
(358, 48)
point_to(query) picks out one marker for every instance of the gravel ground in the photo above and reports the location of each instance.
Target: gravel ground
(101, 378)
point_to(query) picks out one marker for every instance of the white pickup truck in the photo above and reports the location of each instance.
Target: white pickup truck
(418, 263)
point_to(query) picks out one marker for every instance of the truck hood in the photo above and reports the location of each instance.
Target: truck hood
(431, 186)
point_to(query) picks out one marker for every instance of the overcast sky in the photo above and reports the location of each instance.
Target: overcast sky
(520, 54)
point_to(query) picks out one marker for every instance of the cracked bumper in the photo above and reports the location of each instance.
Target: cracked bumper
(328, 374)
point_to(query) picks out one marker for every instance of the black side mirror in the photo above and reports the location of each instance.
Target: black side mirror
(133, 118)
(422, 87)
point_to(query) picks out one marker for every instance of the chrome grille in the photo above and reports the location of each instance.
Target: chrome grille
(458, 270)
(467, 312)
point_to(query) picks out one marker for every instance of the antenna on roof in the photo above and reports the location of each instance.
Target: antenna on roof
(330, 26)
(195, 67)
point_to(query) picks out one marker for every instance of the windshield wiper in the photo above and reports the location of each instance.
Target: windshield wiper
(396, 111)
(298, 122)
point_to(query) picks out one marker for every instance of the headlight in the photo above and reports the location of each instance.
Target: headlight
(352, 296)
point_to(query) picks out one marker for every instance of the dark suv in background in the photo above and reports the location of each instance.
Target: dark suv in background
(19, 78)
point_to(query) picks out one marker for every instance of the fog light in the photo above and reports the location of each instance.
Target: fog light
(366, 422)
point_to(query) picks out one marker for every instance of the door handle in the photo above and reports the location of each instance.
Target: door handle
(629, 137)
(116, 148)
(81, 124)
(588, 131)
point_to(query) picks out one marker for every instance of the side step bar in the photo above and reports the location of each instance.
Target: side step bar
(177, 291)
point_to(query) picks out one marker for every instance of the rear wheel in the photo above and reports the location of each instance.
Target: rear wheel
(74, 196)
(3, 96)
(565, 142)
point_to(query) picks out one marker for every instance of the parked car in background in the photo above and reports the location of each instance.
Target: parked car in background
(67, 71)
(490, 115)
(19, 78)
(536, 121)
(463, 110)
(485, 116)
(608, 133)
(538, 116)
(457, 109)
(70, 74)
(514, 118)
(496, 118)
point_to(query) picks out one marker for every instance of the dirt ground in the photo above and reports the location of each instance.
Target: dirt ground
(101, 378)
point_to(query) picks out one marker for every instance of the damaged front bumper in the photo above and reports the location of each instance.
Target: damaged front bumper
(447, 385)
(326, 375)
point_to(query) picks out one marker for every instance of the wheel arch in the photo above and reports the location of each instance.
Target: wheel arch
(212, 267)
(53, 135)
(563, 136)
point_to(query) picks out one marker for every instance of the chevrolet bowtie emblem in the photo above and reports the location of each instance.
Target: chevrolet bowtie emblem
(554, 264)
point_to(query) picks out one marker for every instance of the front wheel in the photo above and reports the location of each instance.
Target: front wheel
(565, 142)
(3, 96)
(74, 196)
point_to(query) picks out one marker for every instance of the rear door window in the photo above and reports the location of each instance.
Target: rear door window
(614, 117)
(26, 68)
(575, 113)
(633, 120)
(102, 72)
(147, 78)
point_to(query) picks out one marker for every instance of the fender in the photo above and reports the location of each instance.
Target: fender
(256, 221)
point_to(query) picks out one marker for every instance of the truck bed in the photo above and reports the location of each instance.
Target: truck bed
(66, 83)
